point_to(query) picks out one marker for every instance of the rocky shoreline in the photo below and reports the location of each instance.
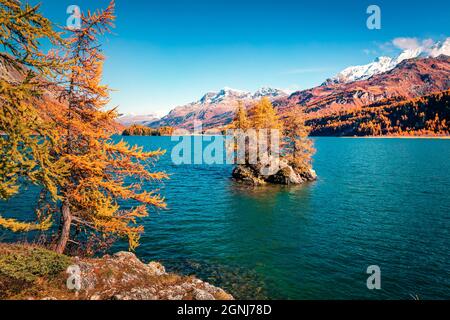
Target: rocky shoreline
(254, 175)
(33, 273)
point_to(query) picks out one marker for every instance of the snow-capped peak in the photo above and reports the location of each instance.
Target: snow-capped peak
(225, 93)
(440, 48)
(355, 73)
(235, 94)
(384, 64)
(232, 90)
(141, 119)
(408, 54)
(268, 92)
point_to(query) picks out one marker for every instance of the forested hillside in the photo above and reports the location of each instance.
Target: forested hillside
(428, 115)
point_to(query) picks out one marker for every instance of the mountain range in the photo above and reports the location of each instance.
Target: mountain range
(414, 73)
(408, 79)
(215, 108)
(333, 108)
(128, 119)
(384, 64)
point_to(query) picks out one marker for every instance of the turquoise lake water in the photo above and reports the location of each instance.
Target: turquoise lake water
(382, 202)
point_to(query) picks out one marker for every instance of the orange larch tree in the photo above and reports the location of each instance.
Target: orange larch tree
(298, 149)
(27, 139)
(240, 120)
(102, 172)
(264, 116)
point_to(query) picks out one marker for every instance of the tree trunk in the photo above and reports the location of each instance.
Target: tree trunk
(65, 232)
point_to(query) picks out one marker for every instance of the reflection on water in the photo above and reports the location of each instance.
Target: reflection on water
(268, 191)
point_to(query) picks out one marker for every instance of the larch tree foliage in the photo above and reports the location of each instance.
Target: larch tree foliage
(298, 149)
(101, 172)
(240, 120)
(263, 116)
(26, 138)
(238, 131)
(253, 128)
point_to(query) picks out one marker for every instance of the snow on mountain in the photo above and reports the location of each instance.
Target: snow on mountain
(143, 119)
(440, 49)
(215, 107)
(355, 73)
(409, 79)
(230, 94)
(268, 92)
(407, 54)
(224, 94)
(384, 64)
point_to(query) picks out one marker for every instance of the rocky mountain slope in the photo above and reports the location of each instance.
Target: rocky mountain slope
(410, 79)
(215, 108)
(384, 64)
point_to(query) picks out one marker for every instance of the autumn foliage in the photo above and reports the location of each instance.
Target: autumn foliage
(427, 115)
(295, 146)
(240, 120)
(27, 138)
(264, 116)
(84, 174)
(298, 149)
(139, 130)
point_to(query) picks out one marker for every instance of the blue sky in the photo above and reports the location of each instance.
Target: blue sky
(167, 53)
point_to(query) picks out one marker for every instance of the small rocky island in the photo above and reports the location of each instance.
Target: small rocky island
(287, 175)
(293, 163)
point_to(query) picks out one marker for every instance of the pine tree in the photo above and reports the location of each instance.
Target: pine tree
(298, 149)
(100, 169)
(27, 139)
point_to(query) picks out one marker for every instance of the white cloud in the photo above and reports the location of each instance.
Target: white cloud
(428, 43)
(429, 47)
(406, 43)
(444, 48)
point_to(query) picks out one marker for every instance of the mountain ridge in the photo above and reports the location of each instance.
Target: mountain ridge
(383, 64)
(215, 108)
(128, 119)
(411, 78)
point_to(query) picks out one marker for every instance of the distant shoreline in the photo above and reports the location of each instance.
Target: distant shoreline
(397, 137)
(345, 137)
